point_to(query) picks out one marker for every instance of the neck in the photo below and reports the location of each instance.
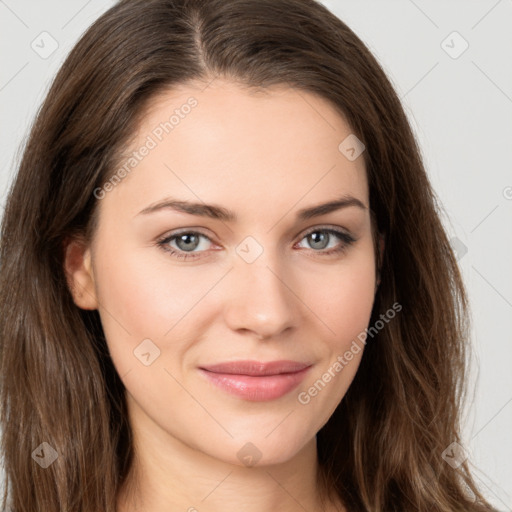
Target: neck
(168, 475)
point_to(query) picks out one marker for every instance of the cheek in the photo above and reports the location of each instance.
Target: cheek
(342, 301)
(143, 296)
(346, 303)
(142, 290)
(342, 296)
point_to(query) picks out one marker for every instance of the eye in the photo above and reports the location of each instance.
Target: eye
(320, 238)
(185, 244)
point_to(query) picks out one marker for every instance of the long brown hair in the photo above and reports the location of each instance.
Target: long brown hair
(382, 448)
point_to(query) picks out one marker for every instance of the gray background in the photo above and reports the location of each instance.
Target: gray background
(460, 107)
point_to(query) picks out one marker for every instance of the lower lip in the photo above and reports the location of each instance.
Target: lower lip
(257, 389)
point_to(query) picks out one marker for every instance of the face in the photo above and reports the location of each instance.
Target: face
(234, 323)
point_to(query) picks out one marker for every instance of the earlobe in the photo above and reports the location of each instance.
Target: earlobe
(79, 274)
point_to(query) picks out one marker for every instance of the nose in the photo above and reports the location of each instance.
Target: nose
(262, 299)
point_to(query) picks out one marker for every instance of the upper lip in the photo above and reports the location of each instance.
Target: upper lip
(256, 368)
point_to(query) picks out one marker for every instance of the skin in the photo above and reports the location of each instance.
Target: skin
(263, 155)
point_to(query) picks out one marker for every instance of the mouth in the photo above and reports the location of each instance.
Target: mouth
(256, 381)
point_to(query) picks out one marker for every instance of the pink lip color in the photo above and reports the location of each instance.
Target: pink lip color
(256, 381)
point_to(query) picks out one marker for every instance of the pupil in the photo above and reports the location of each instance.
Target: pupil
(318, 238)
(187, 238)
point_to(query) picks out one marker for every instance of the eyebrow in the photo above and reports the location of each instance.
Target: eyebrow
(220, 213)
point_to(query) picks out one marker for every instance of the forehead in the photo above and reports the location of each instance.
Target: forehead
(268, 147)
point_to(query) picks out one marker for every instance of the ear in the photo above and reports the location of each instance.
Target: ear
(79, 274)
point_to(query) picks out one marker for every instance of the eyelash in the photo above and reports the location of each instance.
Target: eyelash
(345, 237)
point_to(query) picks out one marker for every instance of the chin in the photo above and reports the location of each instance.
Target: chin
(259, 451)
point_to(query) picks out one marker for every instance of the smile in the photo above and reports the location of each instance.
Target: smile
(257, 381)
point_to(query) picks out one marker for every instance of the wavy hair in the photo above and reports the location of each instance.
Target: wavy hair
(382, 448)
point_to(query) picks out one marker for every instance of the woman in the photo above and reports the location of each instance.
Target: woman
(224, 281)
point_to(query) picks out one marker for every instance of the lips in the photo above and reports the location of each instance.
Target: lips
(256, 368)
(255, 380)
